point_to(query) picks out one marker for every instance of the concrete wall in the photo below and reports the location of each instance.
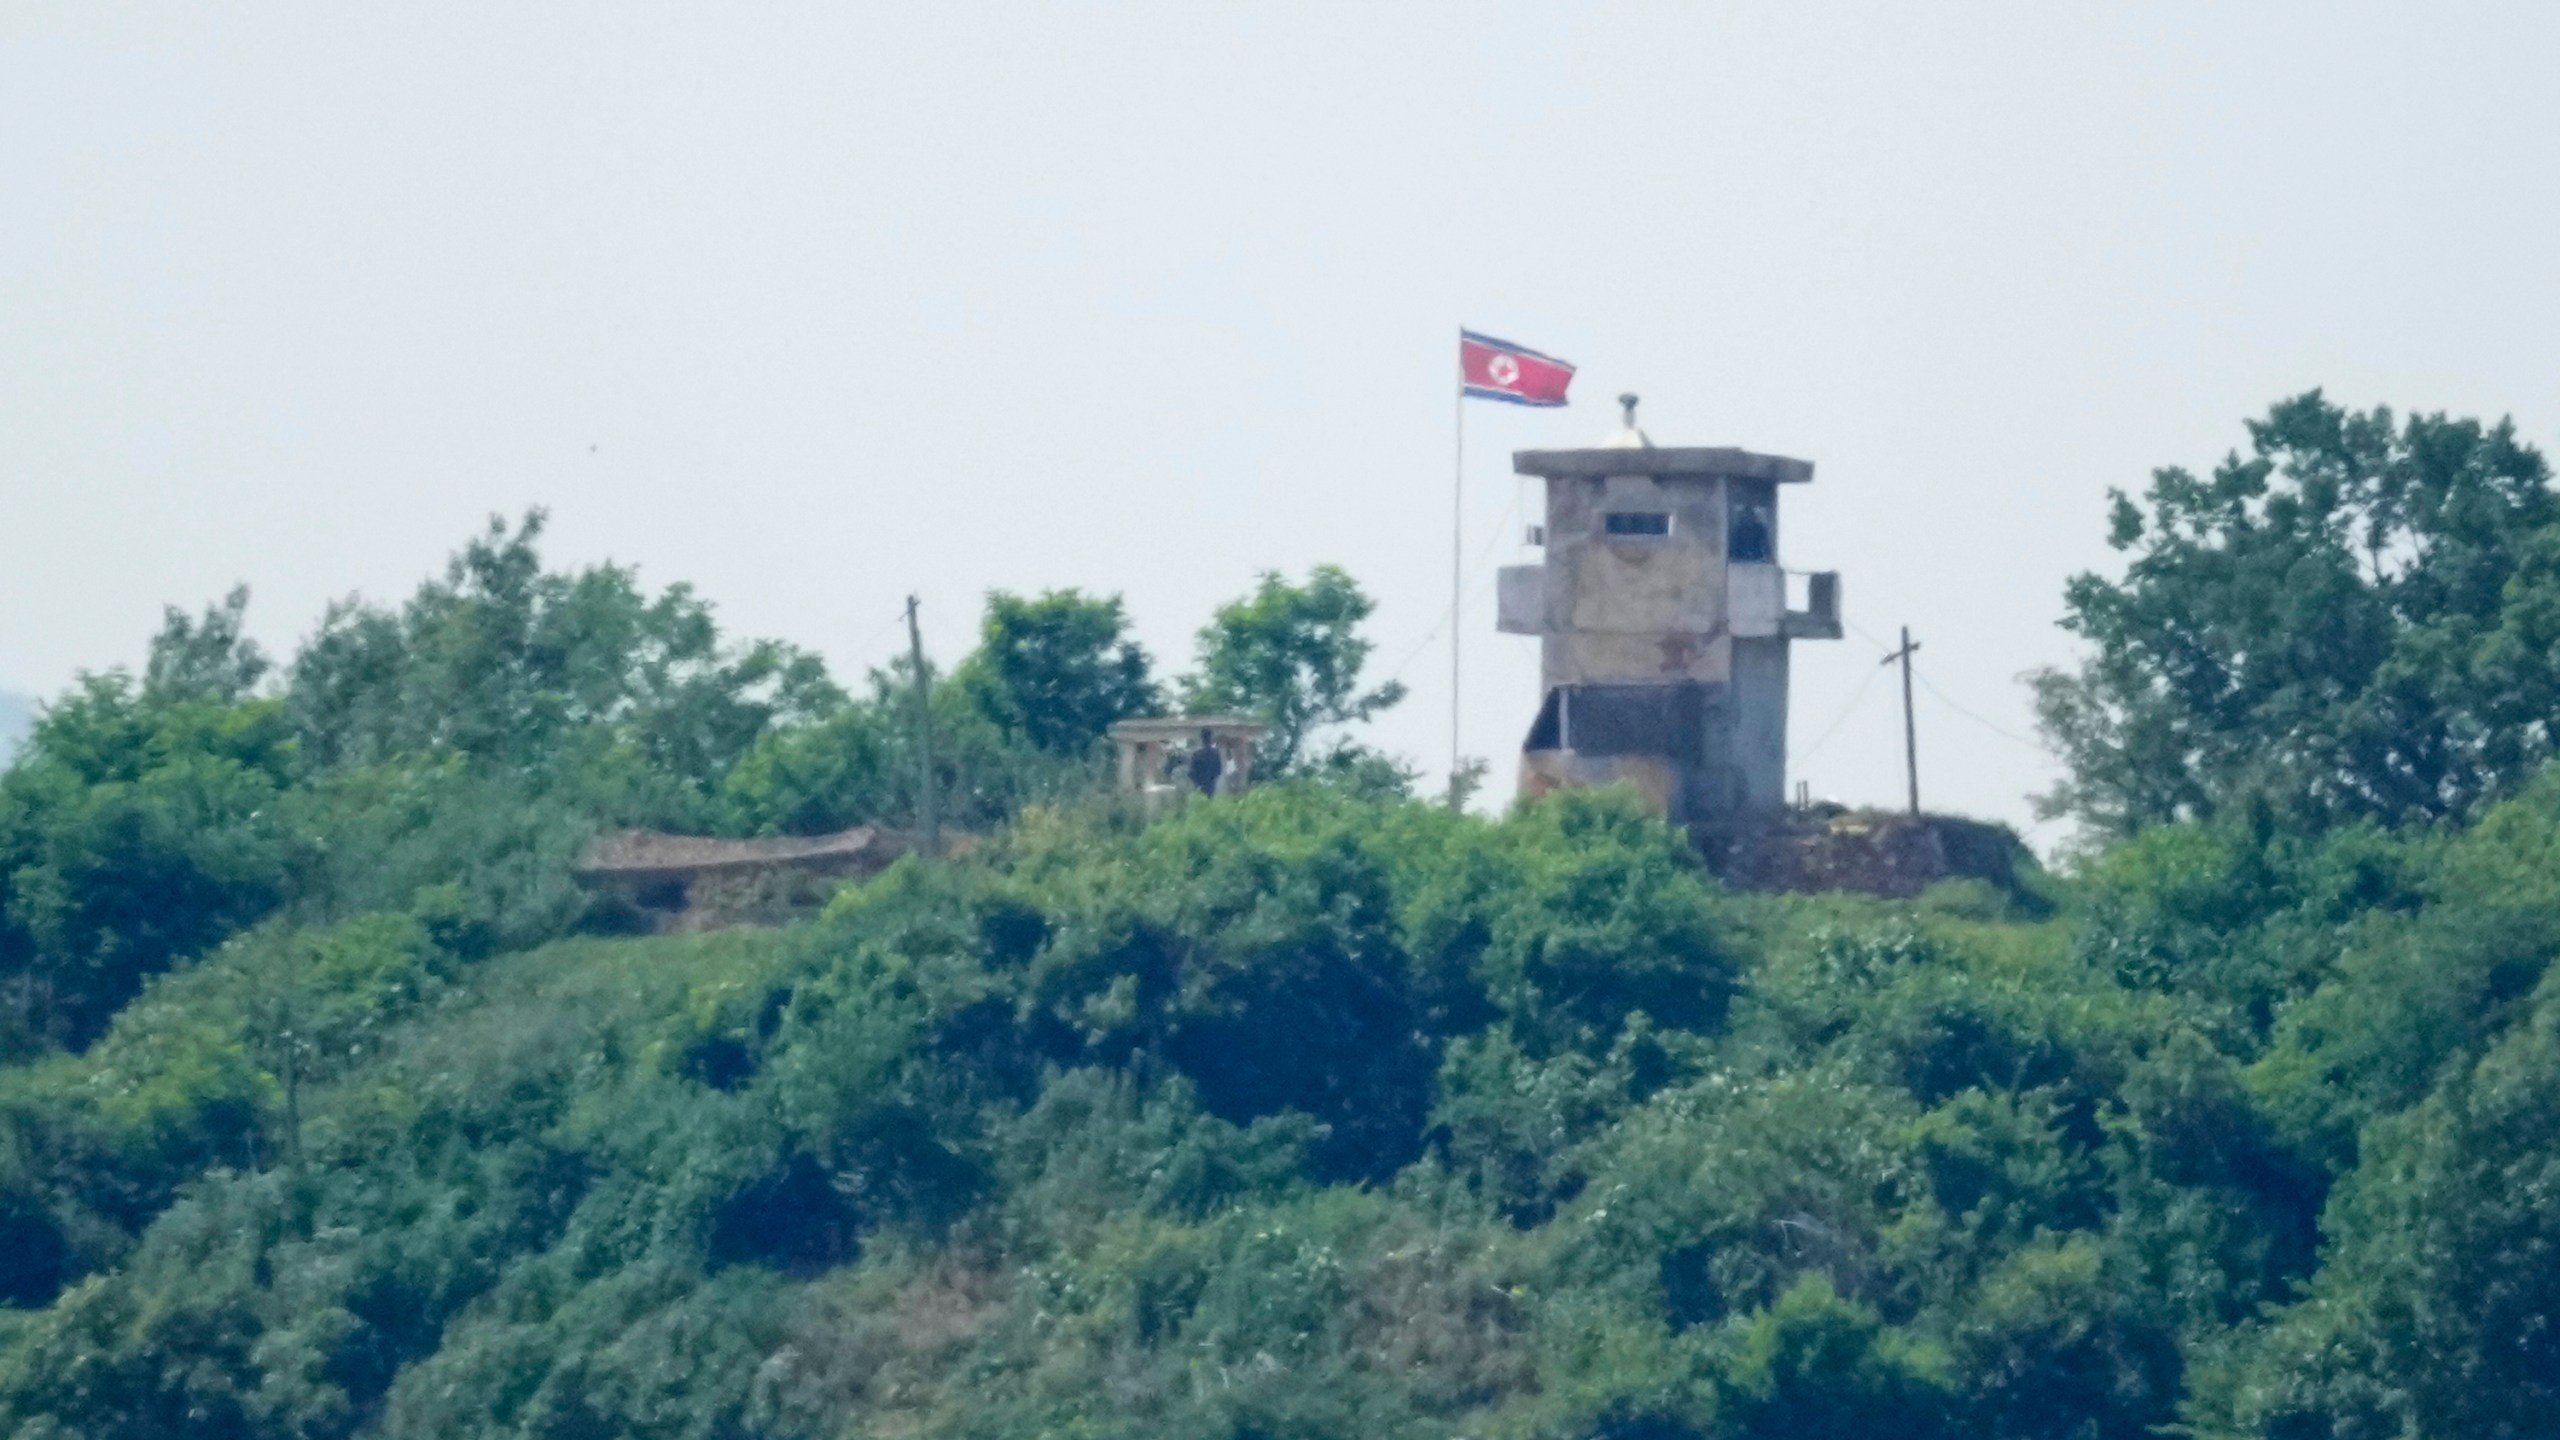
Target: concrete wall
(1755, 600)
(1655, 779)
(1634, 608)
(1520, 599)
(1759, 741)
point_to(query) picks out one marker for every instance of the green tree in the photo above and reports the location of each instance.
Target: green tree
(2053, 1345)
(1590, 913)
(1290, 655)
(854, 767)
(209, 658)
(1057, 669)
(1813, 1365)
(2359, 619)
(1255, 949)
(2438, 1310)
(580, 682)
(133, 833)
(858, 765)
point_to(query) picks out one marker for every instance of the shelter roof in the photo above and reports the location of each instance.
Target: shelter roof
(1182, 727)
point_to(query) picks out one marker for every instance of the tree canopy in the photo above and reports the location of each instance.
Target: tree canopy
(1291, 655)
(2359, 619)
(503, 711)
(1059, 668)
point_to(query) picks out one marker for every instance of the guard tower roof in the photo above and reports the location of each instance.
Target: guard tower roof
(1726, 463)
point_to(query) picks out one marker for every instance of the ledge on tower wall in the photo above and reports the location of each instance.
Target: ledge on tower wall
(1871, 852)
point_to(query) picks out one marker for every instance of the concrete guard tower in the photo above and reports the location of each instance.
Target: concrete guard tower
(1663, 616)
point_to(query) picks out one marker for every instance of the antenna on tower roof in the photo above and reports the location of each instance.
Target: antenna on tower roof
(1628, 437)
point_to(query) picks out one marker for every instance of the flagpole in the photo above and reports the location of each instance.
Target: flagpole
(1457, 558)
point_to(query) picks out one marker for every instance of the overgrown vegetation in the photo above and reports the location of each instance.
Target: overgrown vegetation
(1321, 1112)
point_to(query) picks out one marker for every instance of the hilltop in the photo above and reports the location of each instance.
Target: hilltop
(332, 1108)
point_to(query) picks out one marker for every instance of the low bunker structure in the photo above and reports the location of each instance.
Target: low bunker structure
(650, 882)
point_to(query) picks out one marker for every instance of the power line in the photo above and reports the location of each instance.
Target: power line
(1484, 585)
(885, 627)
(1949, 702)
(1840, 719)
(1442, 618)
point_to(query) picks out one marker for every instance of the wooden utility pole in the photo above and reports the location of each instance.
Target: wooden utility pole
(928, 797)
(1910, 731)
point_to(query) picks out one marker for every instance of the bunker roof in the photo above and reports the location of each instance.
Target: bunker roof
(653, 852)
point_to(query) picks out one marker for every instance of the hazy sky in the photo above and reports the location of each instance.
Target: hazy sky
(817, 306)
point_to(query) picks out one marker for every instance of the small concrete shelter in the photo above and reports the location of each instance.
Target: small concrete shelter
(1146, 743)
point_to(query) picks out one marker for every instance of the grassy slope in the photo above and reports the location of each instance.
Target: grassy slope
(815, 1181)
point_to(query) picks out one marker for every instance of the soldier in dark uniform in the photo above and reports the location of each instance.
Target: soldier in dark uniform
(1207, 764)
(1750, 536)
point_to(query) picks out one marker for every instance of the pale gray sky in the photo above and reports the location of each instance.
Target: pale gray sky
(814, 306)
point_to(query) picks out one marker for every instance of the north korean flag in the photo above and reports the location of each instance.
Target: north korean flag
(1499, 370)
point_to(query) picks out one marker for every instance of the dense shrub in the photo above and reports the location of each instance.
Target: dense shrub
(1307, 1113)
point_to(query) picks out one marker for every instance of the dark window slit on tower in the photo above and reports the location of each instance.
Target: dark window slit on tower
(1638, 522)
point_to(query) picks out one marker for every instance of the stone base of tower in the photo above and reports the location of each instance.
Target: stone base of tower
(1886, 853)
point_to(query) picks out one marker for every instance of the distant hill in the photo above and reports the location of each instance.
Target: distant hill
(17, 713)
